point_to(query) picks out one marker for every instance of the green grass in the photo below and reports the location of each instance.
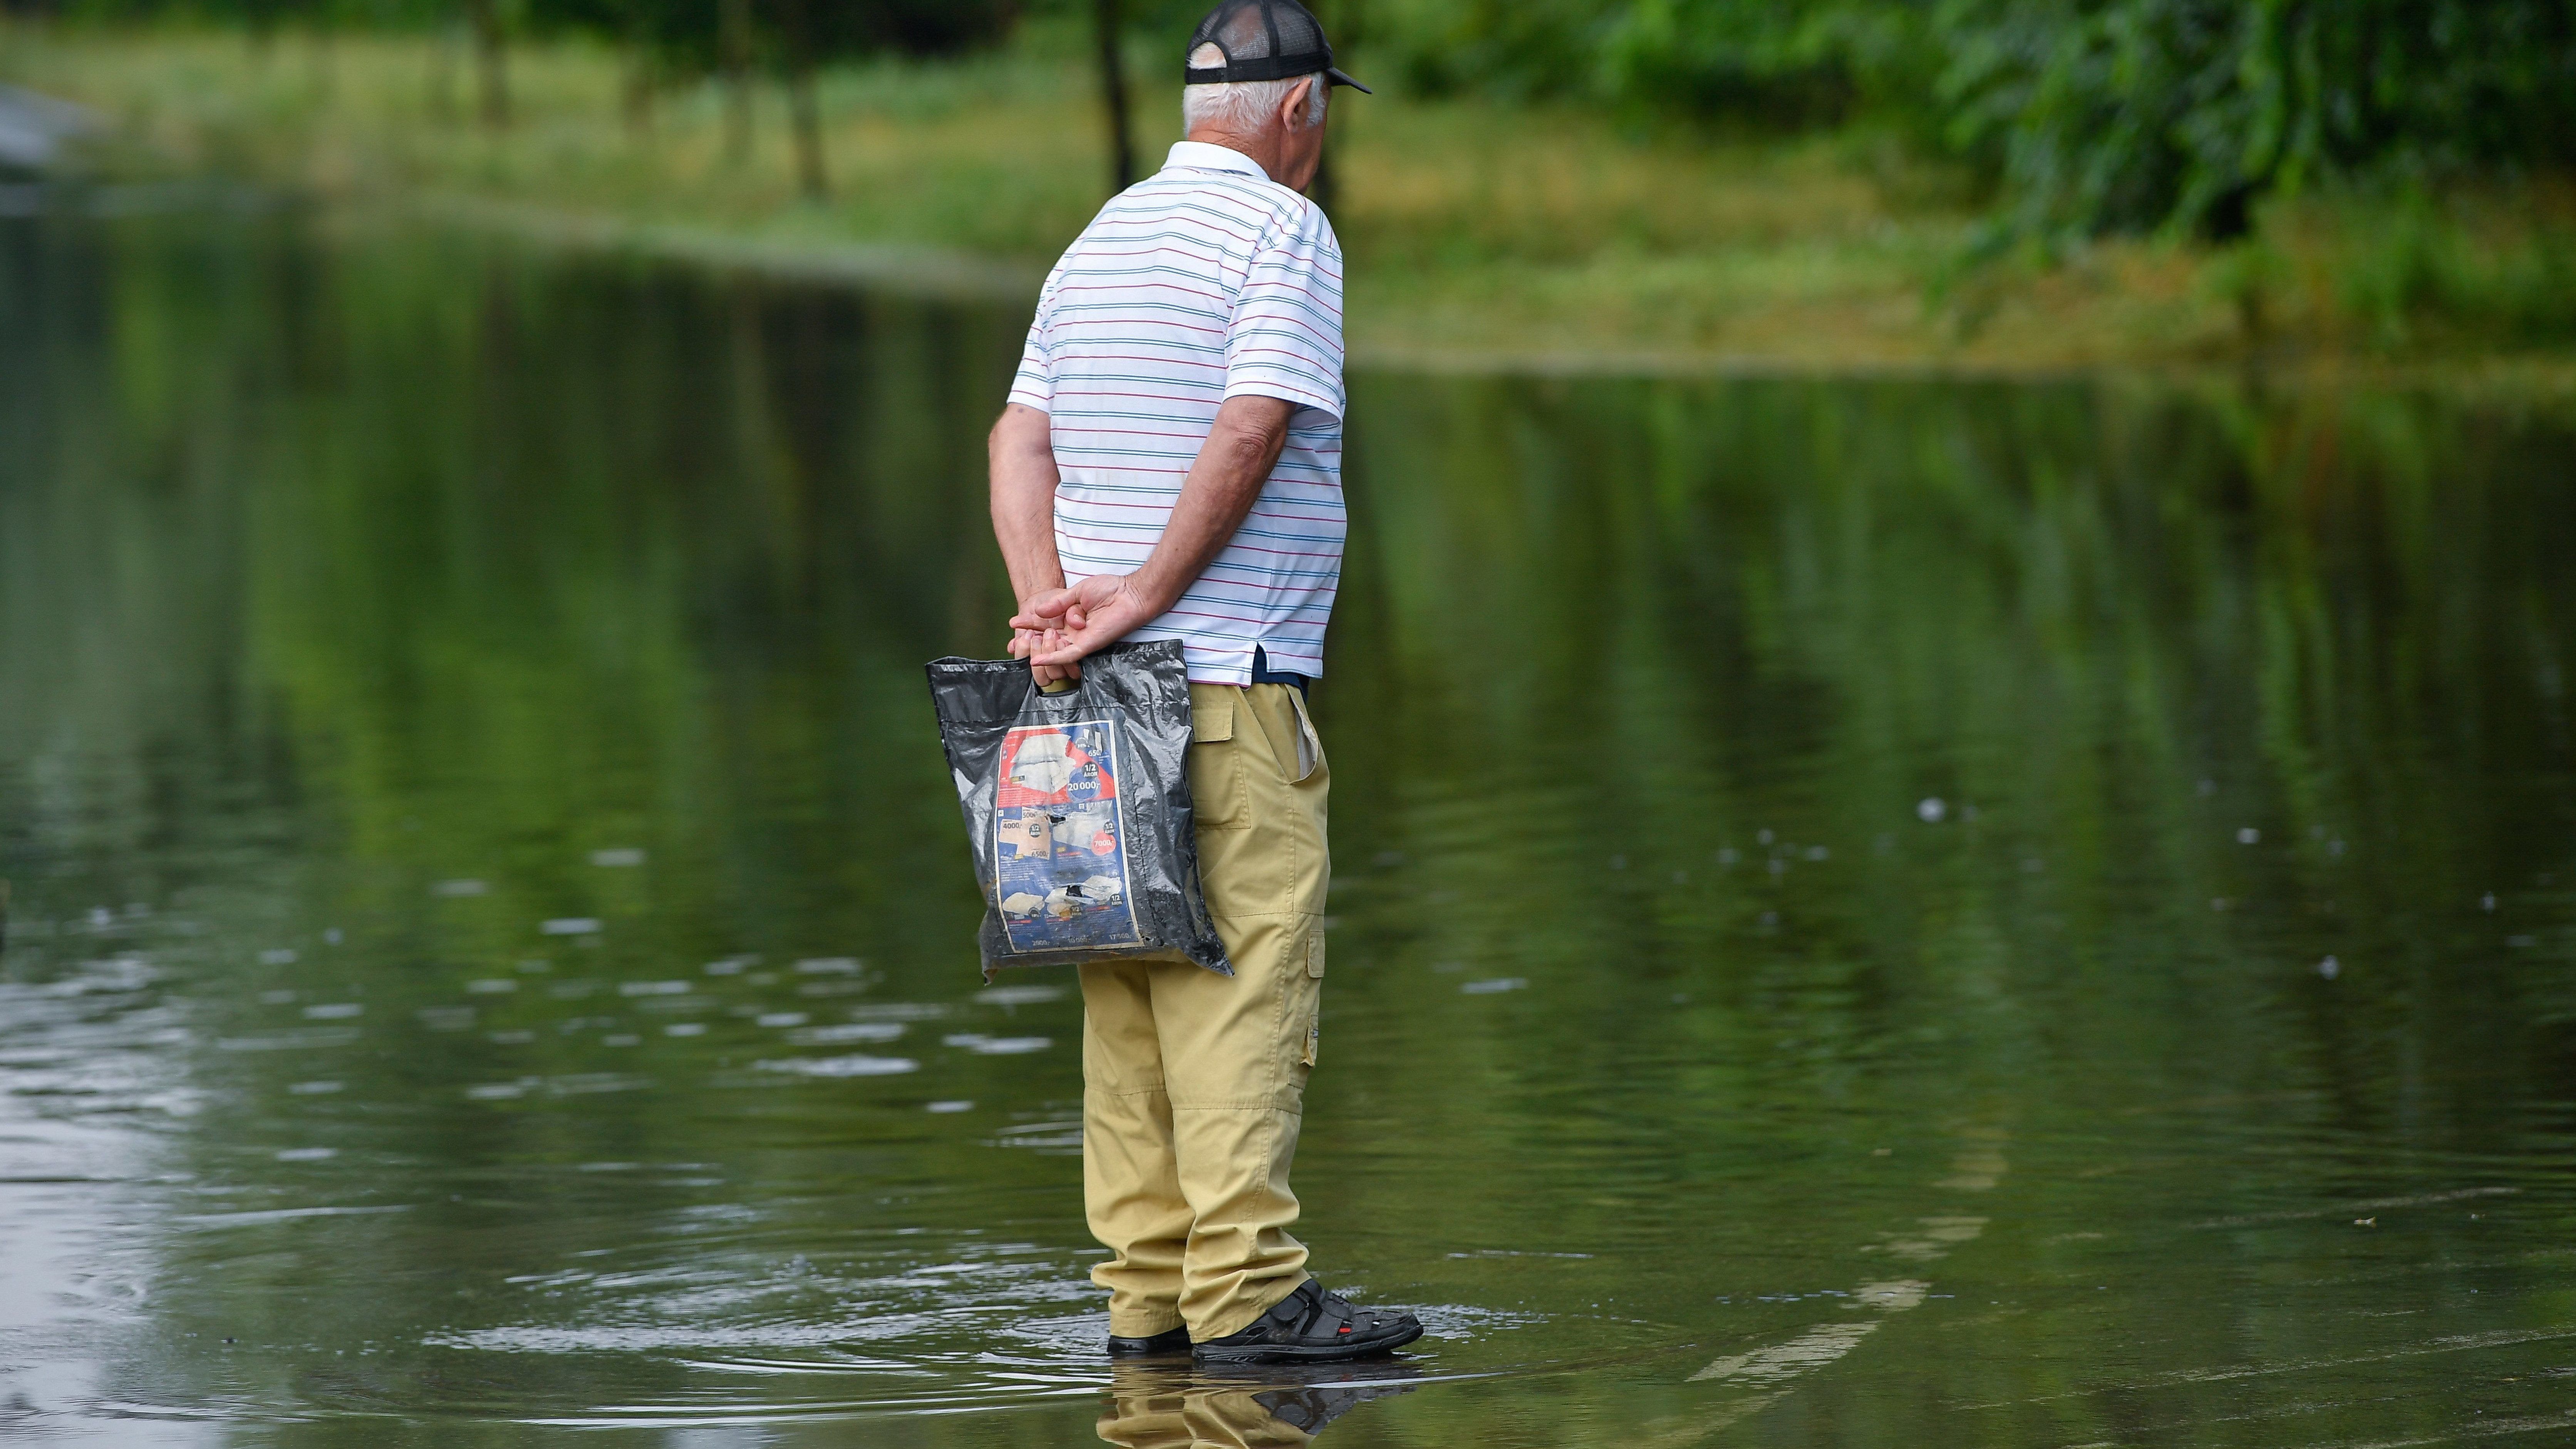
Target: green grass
(1476, 233)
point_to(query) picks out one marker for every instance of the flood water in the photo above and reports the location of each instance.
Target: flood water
(1867, 913)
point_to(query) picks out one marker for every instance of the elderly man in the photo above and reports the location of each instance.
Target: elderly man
(1168, 467)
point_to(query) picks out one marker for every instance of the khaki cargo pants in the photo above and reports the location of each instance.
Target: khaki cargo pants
(1194, 1084)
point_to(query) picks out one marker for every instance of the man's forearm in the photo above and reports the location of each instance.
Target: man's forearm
(1225, 480)
(1024, 477)
(1242, 447)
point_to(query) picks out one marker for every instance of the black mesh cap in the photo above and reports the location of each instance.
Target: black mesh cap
(1264, 40)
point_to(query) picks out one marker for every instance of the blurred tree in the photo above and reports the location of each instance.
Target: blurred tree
(1780, 64)
(491, 61)
(649, 32)
(804, 118)
(2130, 114)
(734, 38)
(1109, 32)
(643, 77)
(733, 50)
(816, 31)
(2087, 115)
(2092, 115)
(1512, 49)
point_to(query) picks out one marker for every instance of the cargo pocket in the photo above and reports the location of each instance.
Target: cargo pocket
(1219, 797)
(1315, 971)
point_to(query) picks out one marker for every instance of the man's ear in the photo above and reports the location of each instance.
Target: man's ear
(1292, 107)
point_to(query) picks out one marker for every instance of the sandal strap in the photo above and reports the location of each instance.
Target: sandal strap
(1322, 1314)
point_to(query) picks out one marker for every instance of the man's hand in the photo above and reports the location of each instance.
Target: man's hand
(1029, 643)
(1085, 619)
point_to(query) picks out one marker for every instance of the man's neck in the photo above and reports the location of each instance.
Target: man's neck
(1263, 149)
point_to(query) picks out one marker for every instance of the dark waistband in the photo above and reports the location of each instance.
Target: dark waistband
(1262, 673)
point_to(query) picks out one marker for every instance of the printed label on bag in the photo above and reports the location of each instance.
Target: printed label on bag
(1060, 847)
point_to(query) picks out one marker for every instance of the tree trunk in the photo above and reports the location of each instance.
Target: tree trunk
(442, 78)
(733, 43)
(263, 31)
(802, 114)
(638, 97)
(322, 56)
(491, 61)
(1113, 96)
(641, 75)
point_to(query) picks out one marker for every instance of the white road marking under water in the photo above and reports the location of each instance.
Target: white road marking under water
(1976, 1168)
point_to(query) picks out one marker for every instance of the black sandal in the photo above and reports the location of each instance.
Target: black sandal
(1313, 1326)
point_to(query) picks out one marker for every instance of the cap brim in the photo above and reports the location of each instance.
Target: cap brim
(1335, 76)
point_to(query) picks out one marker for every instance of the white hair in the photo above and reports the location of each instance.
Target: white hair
(1243, 107)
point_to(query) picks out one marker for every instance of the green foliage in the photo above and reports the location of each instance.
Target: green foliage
(2086, 117)
(682, 30)
(2104, 115)
(2094, 115)
(2412, 274)
(1780, 63)
(1789, 63)
(688, 31)
(255, 15)
(1513, 49)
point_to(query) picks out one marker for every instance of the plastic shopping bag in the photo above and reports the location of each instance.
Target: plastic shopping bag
(1078, 806)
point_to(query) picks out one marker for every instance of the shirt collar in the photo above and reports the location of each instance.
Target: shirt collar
(1206, 157)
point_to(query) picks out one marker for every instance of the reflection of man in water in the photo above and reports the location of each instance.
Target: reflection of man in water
(1169, 467)
(1151, 1409)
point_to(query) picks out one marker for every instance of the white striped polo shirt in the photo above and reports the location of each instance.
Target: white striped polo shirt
(1203, 282)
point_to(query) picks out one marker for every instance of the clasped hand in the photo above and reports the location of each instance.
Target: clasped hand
(1055, 629)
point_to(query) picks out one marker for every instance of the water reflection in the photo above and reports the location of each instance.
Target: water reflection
(1832, 941)
(1167, 1406)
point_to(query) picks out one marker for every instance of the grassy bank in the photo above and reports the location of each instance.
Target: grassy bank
(1543, 237)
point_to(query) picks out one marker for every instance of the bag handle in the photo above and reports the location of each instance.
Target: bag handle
(1063, 687)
